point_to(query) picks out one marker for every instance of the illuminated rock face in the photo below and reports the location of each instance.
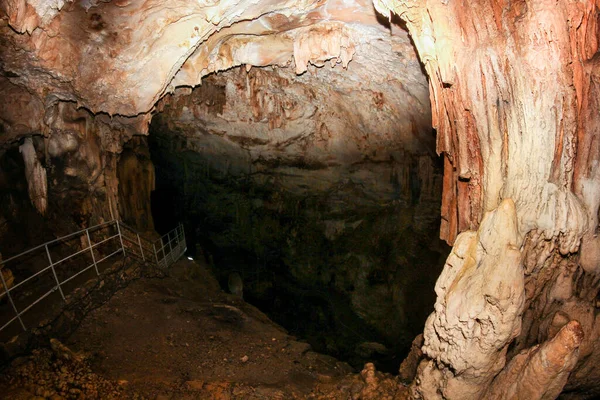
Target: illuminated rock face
(339, 125)
(513, 89)
(514, 95)
(121, 57)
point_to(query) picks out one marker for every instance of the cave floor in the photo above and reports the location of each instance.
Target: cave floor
(182, 337)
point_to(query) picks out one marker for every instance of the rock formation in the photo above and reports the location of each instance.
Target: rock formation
(513, 88)
(282, 171)
(35, 175)
(478, 309)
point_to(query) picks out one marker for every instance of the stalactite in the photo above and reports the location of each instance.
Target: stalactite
(36, 176)
(542, 371)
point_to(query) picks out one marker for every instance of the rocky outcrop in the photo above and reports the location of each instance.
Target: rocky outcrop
(542, 371)
(518, 130)
(478, 310)
(58, 373)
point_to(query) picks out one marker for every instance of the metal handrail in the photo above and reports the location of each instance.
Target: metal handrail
(58, 240)
(150, 256)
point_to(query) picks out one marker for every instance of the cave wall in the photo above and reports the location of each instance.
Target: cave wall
(309, 244)
(135, 175)
(282, 180)
(17, 211)
(510, 86)
(63, 173)
(513, 86)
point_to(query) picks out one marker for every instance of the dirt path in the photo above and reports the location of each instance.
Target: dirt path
(181, 337)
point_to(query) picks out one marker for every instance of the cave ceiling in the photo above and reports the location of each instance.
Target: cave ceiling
(117, 59)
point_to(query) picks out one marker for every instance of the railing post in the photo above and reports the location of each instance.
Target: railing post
(87, 232)
(176, 247)
(176, 240)
(54, 273)
(120, 237)
(170, 247)
(183, 236)
(141, 249)
(12, 303)
(155, 255)
(162, 248)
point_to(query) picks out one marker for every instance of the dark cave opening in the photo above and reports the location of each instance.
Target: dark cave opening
(359, 290)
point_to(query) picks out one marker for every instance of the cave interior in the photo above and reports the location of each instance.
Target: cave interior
(409, 189)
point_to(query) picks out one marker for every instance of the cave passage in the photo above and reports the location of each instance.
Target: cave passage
(333, 260)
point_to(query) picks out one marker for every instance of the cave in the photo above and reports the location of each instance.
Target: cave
(335, 230)
(323, 199)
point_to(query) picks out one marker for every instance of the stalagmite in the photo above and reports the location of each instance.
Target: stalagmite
(477, 312)
(542, 371)
(35, 174)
